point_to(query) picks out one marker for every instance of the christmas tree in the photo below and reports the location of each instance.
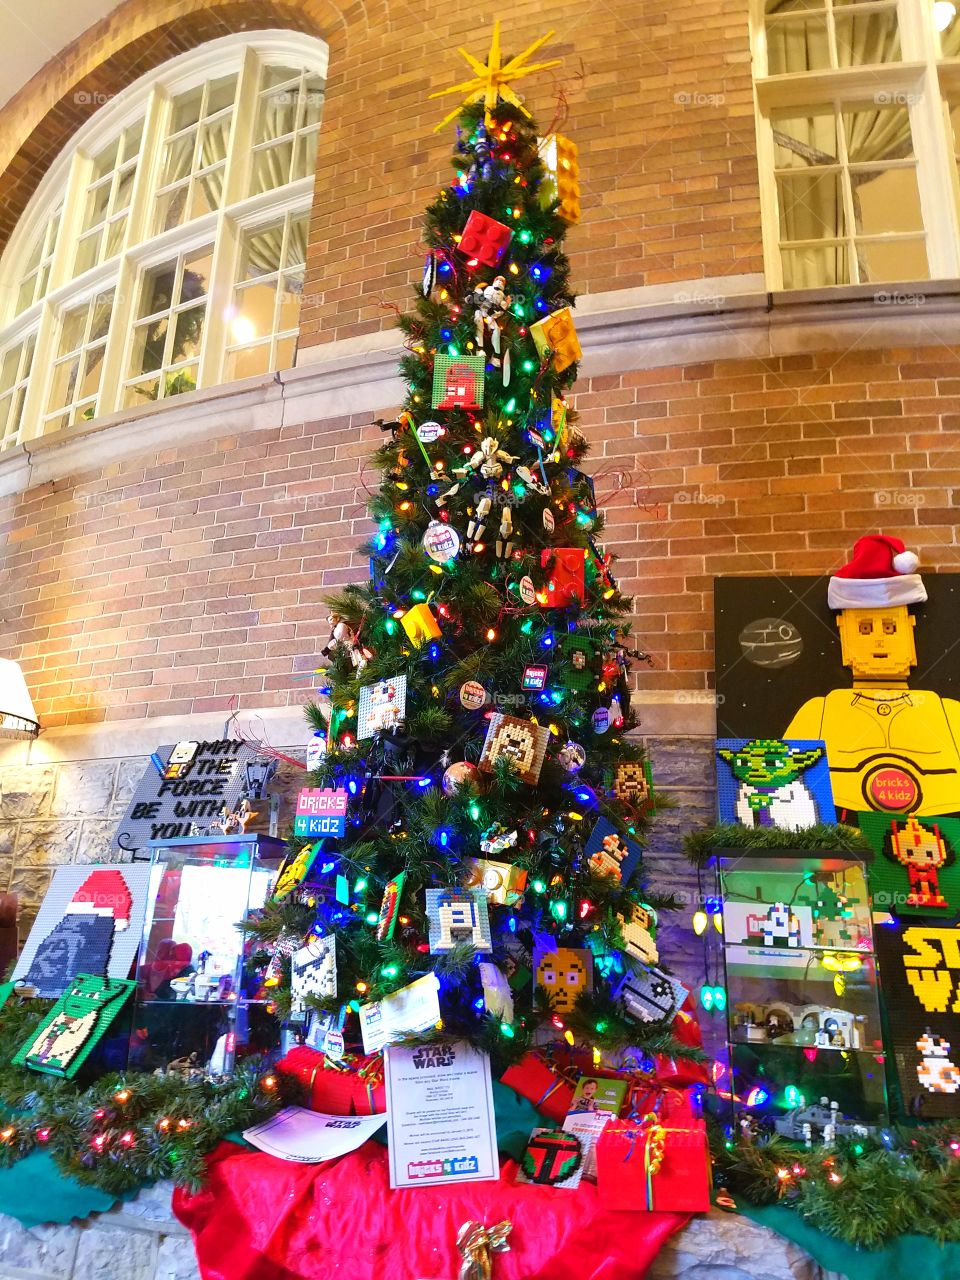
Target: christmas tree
(476, 705)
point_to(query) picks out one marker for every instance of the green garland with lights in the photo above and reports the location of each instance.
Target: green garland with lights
(865, 1191)
(123, 1131)
(700, 846)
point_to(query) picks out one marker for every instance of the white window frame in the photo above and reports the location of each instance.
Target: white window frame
(919, 81)
(66, 183)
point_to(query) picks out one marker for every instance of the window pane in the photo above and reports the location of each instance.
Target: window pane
(157, 289)
(261, 252)
(88, 252)
(220, 94)
(800, 44)
(313, 101)
(115, 232)
(248, 362)
(178, 159)
(877, 133)
(36, 252)
(306, 157)
(187, 334)
(868, 39)
(121, 197)
(277, 115)
(290, 297)
(8, 368)
(196, 273)
(286, 353)
(213, 141)
(175, 384)
(801, 141)
(147, 349)
(893, 260)
(271, 167)
(27, 293)
(98, 201)
(274, 75)
(297, 242)
(255, 306)
(811, 206)
(886, 200)
(63, 382)
(131, 141)
(102, 309)
(172, 207)
(71, 329)
(92, 368)
(812, 268)
(106, 161)
(141, 393)
(186, 109)
(206, 191)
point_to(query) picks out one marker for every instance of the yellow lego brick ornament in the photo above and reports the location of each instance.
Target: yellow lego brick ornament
(420, 624)
(556, 333)
(561, 179)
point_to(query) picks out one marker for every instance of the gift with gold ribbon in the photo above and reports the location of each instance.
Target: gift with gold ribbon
(648, 1164)
(476, 1245)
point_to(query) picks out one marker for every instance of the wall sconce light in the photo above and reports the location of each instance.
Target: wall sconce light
(17, 716)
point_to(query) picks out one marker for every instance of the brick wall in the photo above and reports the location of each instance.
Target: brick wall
(664, 124)
(192, 580)
(665, 131)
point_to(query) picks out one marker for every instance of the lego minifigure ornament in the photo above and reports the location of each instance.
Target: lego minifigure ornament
(492, 303)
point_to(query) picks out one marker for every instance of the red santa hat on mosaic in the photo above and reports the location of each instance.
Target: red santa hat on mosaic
(882, 572)
(103, 893)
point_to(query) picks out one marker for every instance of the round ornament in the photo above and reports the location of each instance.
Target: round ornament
(601, 720)
(458, 774)
(549, 523)
(430, 431)
(572, 756)
(528, 592)
(441, 541)
(333, 1045)
(473, 695)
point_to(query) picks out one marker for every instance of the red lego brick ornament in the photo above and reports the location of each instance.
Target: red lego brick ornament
(484, 239)
(565, 585)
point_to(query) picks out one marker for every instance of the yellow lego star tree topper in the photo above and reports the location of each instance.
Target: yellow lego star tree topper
(491, 80)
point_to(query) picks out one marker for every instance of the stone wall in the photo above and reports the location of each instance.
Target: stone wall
(141, 1240)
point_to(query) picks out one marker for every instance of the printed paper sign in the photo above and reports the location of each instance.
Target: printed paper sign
(412, 1009)
(310, 1136)
(320, 812)
(440, 1124)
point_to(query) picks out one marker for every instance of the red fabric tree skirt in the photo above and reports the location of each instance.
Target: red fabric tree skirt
(259, 1218)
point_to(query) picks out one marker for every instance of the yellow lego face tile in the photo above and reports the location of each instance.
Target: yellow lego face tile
(420, 624)
(556, 333)
(878, 644)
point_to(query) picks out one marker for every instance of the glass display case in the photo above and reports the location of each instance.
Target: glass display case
(803, 1019)
(198, 1006)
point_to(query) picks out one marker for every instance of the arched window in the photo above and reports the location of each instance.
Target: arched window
(164, 250)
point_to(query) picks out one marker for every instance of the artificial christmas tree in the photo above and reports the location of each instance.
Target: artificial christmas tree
(481, 737)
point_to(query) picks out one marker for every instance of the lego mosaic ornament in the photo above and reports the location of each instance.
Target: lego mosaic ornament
(564, 973)
(90, 921)
(458, 382)
(914, 869)
(458, 915)
(767, 782)
(858, 661)
(521, 743)
(920, 967)
(74, 1026)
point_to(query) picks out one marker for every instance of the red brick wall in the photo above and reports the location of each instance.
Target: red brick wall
(661, 107)
(185, 579)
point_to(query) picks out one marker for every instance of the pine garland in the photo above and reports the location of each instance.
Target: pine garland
(865, 1191)
(123, 1130)
(700, 846)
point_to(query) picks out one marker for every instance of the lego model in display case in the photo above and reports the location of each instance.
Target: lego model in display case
(198, 1005)
(801, 986)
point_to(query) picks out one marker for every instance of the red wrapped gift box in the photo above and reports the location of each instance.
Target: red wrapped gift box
(355, 1090)
(534, 1080)
(651, 1165)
